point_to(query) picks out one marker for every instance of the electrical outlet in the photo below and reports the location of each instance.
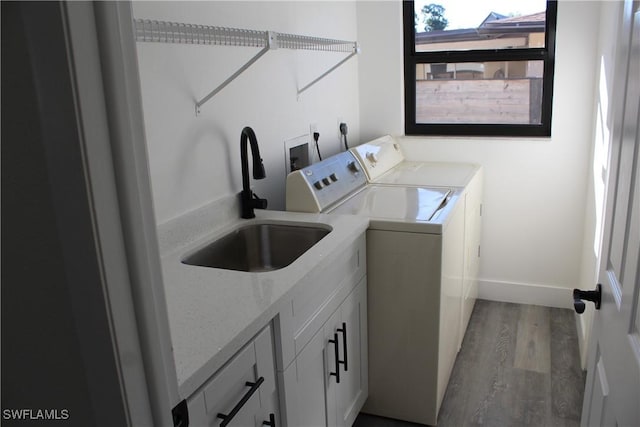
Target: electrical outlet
(313, 127)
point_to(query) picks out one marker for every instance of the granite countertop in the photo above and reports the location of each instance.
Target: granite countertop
(214, 312)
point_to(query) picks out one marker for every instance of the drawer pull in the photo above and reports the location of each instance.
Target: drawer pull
(344, 345)
(336, 374)
(226, 419)
(271, 422)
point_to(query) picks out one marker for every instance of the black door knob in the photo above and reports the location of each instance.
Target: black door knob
(593, 296)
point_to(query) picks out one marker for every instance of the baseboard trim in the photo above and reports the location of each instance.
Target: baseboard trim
(525, 293)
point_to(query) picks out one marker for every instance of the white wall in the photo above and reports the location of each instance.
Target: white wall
(535, 189)
(195, 160)
(381, 69)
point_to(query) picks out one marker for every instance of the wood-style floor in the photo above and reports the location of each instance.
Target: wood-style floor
(519, 365)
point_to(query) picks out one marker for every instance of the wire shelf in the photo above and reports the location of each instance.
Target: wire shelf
(175, 32)
(147, 30)
(294, 41)
(152, 31)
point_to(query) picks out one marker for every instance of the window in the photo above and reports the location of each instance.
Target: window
(486, 69)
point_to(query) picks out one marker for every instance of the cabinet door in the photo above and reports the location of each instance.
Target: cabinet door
(305, 386)
(353, 388)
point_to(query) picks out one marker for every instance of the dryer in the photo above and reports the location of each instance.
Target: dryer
(414, 279)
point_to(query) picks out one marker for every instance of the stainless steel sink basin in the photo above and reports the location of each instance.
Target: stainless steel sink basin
(258, 247)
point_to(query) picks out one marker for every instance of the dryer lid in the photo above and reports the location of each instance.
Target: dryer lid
(396, 203)
(436, 174)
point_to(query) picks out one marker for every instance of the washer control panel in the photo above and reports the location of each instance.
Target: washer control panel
(320, 185)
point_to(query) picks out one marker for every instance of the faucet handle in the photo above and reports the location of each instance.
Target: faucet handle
(250, 201)
(258, 203)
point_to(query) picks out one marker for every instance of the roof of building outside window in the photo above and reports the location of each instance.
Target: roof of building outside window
(493, 26)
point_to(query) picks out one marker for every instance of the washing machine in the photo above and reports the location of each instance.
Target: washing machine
(414, 279)
(383, 162)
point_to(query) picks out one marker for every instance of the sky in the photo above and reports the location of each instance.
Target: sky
(470, 13)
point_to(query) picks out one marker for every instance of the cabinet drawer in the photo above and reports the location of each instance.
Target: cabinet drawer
(306, 331)
(316, 298)
(249, 375)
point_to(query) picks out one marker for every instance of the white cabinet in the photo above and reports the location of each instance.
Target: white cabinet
(326, 385)
(243, 393)
(323, 363)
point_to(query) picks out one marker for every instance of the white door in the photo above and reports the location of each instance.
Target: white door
(612, 392)
(308, 385)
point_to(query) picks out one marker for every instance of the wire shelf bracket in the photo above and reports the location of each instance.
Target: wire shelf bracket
(330, 70)
(173, 32)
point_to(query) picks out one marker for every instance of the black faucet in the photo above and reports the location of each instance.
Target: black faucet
(248, 200)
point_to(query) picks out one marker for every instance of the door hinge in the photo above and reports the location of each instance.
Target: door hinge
(480, 209)
(180, 414)
(478, 251)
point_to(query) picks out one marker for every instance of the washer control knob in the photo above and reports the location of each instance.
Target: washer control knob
(372, 157)
(318, 185)
(333, 177)
(353, 167)
(326, 181)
